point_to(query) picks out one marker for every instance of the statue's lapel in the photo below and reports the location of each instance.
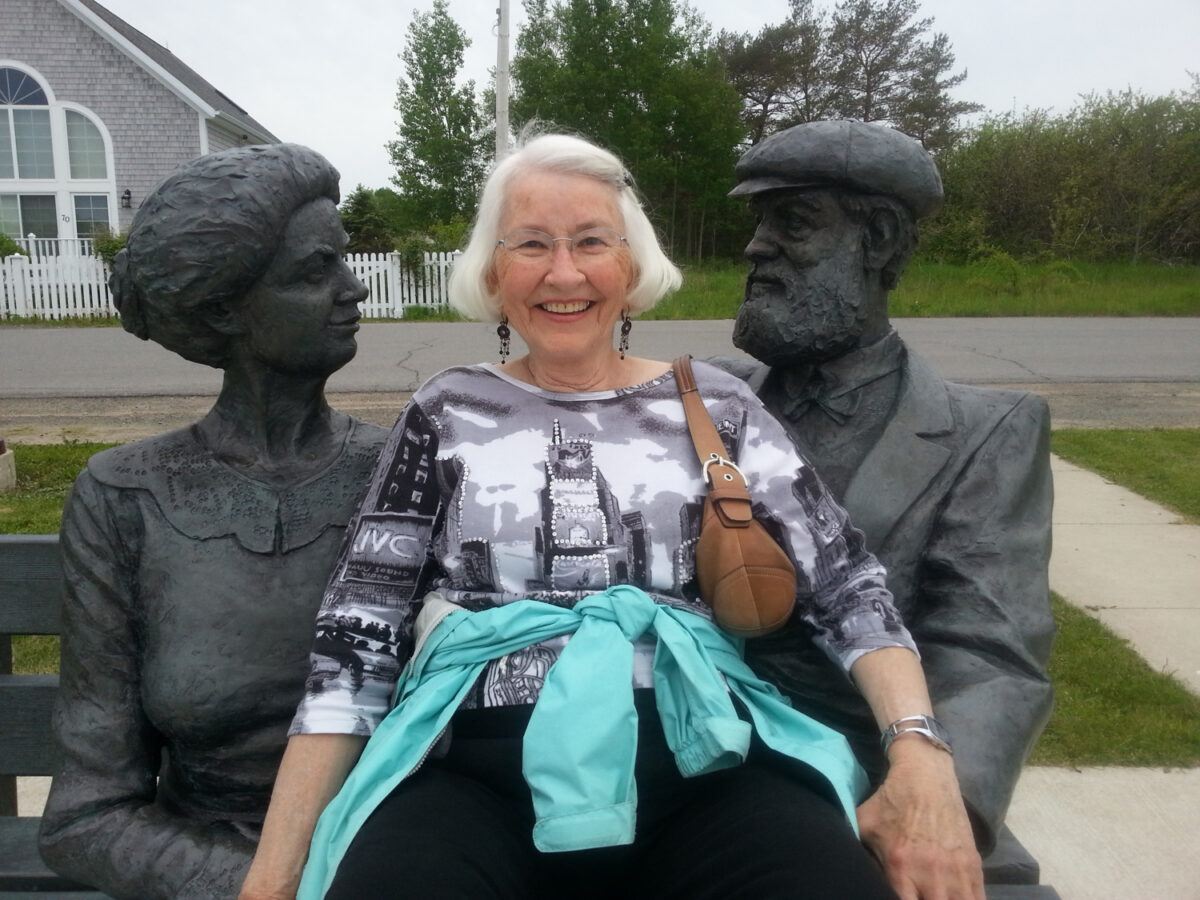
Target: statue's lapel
(903, 462)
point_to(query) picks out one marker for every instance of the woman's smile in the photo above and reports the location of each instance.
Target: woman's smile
(564, 307)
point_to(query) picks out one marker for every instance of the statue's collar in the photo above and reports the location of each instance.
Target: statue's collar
(832, 384)
(204, 498)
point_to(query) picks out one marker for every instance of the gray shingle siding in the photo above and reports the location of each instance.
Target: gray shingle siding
(222, 139)
(153, 130)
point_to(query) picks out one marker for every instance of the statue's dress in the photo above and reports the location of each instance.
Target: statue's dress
(191, 592)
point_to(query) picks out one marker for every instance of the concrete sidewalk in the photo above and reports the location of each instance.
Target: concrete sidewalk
(1120, 833)
(1132, 564)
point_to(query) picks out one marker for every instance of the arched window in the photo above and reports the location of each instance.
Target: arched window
(55, 162)
(85, 147)
(28, 151)
(18, 89)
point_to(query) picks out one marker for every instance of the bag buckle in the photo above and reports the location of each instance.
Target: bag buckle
(715, 459)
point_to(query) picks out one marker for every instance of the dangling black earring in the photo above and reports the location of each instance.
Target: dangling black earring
(626, 327)
(505, 335)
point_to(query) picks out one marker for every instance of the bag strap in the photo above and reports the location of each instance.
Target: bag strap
(720, 472)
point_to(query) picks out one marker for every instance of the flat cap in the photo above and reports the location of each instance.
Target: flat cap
(864, 156)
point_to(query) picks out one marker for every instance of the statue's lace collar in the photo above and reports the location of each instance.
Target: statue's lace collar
(204, 498)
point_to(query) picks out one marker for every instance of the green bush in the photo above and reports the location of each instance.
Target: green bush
(997, 272)
(107, 244)
(9, 247)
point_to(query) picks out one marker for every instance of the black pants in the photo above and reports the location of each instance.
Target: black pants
(461, 828)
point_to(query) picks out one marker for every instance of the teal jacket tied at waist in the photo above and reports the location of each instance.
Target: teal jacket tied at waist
(581, 739)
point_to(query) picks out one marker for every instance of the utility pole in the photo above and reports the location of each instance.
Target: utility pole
(502, 81)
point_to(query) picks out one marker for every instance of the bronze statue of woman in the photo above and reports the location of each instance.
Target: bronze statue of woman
(195, 560)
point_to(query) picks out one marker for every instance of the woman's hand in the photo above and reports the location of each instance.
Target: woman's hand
(917, 826)
(916, 823)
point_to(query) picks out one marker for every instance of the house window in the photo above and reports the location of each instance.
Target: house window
(7, 170)
(23, 214)
(33, 149)
(56, 169)
(24, 130)
(10, 215)
(85, 147)
(91, 214)
(19, 89)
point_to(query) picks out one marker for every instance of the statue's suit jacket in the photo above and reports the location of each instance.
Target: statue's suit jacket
(955, 500)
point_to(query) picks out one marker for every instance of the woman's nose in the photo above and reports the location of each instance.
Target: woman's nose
(563, 269)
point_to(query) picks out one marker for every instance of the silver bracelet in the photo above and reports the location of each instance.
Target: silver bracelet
(926, 726)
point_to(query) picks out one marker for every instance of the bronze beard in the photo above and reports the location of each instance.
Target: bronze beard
(789, 322)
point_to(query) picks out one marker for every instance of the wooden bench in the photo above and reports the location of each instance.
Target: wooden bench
(30, 603)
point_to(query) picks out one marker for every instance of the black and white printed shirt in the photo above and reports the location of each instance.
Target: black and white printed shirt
(491, 490)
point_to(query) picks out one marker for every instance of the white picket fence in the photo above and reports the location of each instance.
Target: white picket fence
(54, 285)
(395, 287)
(61, 279)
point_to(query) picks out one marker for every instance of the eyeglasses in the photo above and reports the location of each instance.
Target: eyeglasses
(537, 246)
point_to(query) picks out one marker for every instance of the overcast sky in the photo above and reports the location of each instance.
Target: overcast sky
(323, 73)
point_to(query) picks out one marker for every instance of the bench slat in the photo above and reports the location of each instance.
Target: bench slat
(26, 735)
(31, 584)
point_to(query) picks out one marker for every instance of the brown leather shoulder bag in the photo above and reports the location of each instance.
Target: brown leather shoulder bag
(744, 575)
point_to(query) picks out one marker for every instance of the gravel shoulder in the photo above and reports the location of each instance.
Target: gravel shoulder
(40, 420)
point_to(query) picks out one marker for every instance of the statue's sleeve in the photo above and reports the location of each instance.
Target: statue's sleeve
(982, 617)
(101, 825)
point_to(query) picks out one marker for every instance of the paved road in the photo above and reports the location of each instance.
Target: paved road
(102, 383)
(396, 357)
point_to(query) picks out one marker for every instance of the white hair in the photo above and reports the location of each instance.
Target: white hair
(655, 276)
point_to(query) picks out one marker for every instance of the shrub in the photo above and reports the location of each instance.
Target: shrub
(9, 247)
(107, 244)
(997, 272)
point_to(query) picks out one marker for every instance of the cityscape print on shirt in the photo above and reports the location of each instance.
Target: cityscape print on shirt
(493, 491)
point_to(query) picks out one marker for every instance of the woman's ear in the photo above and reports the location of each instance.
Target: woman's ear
(224, 319)
(881, 238)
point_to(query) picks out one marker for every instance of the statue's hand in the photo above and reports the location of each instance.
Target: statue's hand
(917, 826)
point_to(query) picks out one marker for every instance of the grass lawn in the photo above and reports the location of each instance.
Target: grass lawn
(995, 287)
(1111, 708)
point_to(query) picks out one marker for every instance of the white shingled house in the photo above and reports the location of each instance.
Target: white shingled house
(93, 114)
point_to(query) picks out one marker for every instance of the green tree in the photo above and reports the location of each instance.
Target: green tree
(1133, 189)
(874, 60)
(873, 46)
(1117, 177)
(440, 153)
(1002, 182)
(365, 224)
(780, 72)
(642, 78)
(397, 212)
(926, 111)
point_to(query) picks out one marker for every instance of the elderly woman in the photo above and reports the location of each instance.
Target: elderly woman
(194, 560)
(555, 496)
